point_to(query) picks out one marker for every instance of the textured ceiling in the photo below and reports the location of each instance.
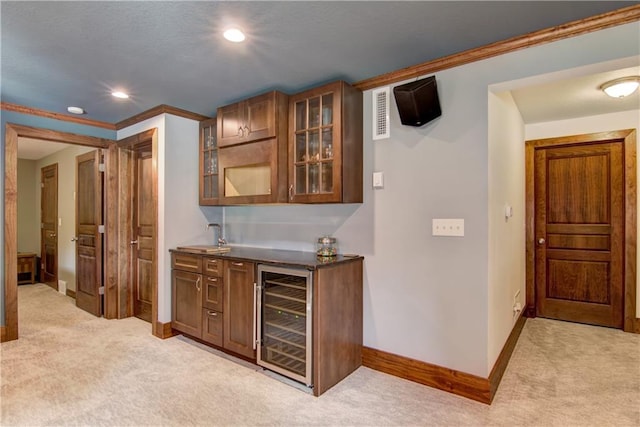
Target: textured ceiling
(57, 54)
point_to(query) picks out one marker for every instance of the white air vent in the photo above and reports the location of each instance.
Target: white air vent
(381, 113)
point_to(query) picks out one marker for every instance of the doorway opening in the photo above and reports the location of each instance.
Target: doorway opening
(117, 291)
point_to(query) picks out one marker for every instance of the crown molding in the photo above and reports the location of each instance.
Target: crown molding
(6, 106)
(571, 29)
(155, 111)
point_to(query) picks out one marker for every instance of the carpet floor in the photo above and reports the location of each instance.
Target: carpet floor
(71, 368)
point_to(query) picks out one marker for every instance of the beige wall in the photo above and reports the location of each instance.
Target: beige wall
(66, 160)
(507, 270)
(28, 231)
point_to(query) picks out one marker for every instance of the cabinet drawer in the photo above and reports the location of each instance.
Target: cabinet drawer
(186, 262)
(212, 326)
(213, 267)
(212, 295)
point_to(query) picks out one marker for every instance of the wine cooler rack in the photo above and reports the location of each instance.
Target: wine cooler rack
(284, 344)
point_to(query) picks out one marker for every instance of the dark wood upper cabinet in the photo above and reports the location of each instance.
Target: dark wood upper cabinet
(208, 159)
(325, 145)
(250, 120)
(252, 161)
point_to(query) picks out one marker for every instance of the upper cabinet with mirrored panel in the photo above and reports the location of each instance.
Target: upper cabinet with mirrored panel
(325, 145)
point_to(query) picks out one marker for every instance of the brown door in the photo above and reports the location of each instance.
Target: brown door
(143, 243)
(89, 216)
(579, 232)
(49, 225)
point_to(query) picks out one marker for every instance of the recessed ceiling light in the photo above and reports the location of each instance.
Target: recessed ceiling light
(120, 95)
(234, 35)
(75, 110)
(619, 88)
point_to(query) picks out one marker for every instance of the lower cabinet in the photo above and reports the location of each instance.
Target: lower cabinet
(186, 302)
(240, 307)
(214, 300)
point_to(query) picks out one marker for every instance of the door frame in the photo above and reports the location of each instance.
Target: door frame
(134, 142)
(628, 138)
(12, 133)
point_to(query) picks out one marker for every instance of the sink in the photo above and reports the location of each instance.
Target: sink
(205, 249)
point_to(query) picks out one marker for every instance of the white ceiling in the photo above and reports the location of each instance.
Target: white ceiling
(574, 97)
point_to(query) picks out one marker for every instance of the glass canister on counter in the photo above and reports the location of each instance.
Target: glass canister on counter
(327, 247)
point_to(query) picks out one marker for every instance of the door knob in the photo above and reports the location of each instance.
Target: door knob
(52, 235)
(541, 241)
(133, 242)
(74, 239)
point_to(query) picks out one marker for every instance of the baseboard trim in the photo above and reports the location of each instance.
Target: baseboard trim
(450, 380)
(460, 383)
(505, 355)
(164, 330)
(3, 333)
(71, 293)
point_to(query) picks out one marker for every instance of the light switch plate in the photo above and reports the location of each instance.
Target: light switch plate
(447, 227)
(378, 180)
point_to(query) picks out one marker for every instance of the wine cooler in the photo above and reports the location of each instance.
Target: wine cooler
(284, 321)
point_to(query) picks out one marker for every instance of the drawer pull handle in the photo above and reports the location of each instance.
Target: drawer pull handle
(198, 284)
(212, 313)
(237, 264)
(212, 279)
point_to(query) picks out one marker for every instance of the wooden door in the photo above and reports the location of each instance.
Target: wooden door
(579, 233)
(239, 308)
(144, 243)
(89, 221)
(49, 225)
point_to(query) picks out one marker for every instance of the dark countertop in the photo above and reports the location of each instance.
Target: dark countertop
(307, 260)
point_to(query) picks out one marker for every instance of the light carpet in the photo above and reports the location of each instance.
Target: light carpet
(70, 368)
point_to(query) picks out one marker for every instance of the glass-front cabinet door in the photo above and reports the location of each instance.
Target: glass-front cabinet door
(208, 163)
(315, 146)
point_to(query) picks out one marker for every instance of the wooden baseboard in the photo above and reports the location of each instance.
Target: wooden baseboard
(164, 330)
(3, 333)
(456, 382)
(446, 379)
(505, 355)
(71, 293)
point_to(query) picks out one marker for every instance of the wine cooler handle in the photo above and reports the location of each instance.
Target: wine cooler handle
(255, 315)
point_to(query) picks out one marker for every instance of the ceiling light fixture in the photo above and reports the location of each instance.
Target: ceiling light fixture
(619, 88)
(75, 110)
(234, 35)
(120, 95)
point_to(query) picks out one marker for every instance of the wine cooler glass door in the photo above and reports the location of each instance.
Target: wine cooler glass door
(284, 321)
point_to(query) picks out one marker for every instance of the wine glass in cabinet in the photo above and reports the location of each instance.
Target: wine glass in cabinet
(208, 160)
(325, 145)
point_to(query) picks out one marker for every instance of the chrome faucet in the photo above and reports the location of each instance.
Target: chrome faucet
(221, 240)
